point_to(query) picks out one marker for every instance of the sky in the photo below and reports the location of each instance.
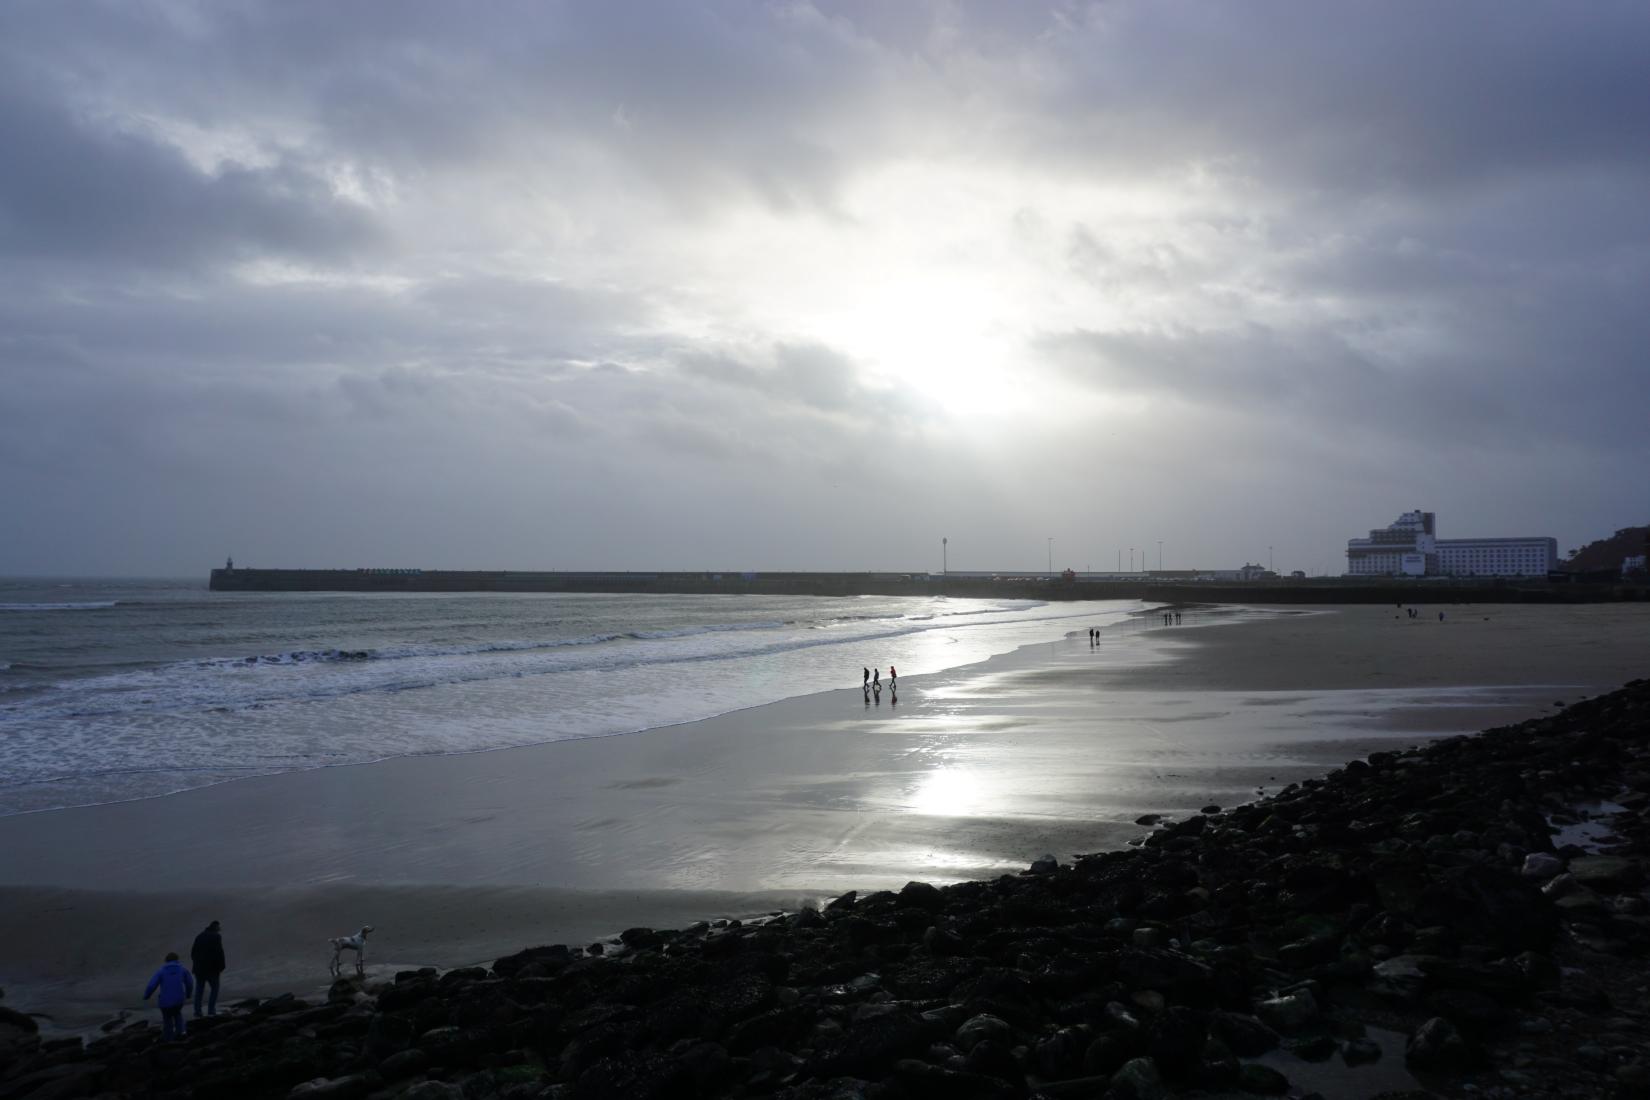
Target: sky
(790, 285)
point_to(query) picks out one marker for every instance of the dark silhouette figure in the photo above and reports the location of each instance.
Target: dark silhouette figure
(206, 960)
(892, 677)
(867, 677)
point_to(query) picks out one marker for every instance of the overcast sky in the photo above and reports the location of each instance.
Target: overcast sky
(813, 285)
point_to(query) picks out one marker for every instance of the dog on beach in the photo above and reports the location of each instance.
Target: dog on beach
(356, 943)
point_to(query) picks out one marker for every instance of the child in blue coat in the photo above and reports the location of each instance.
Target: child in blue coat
(175, 985)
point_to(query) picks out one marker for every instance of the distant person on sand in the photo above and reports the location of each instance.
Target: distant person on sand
(206, 960)
(892, 676)
(867, 678)
(175, 985)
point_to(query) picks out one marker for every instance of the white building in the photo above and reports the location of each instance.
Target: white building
(1410, 547)
(1406, 548)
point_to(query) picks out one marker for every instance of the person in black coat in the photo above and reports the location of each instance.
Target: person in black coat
(206, 960)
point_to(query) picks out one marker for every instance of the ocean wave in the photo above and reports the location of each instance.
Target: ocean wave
(81, 605)
(402, 653)
(171, 689)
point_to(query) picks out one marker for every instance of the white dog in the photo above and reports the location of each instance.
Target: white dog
(356, 943)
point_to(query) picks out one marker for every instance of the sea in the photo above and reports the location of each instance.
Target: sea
(113, 690)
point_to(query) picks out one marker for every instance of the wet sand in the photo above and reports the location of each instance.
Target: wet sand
(974, 772)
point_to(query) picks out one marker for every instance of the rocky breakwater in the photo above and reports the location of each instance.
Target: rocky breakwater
(1405, 924)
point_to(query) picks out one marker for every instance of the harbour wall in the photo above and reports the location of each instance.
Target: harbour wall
(1293, 591)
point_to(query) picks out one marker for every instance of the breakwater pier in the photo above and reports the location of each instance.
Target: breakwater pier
(1059, 586)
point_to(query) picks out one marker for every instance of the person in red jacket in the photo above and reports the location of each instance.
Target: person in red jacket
(175, 985)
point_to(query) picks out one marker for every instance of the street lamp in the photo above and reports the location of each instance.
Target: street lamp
(1051, 555)
(945, 566)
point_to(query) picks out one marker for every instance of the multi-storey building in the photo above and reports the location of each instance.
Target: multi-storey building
(1410, 547)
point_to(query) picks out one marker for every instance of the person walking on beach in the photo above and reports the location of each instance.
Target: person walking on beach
(175, 985)
(892, 677)
(867, 679)
(206, 960)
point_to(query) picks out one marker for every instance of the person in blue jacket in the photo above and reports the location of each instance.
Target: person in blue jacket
(175, 985)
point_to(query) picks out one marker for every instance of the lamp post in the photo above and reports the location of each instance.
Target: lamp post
(945, 566)
(1051, 556)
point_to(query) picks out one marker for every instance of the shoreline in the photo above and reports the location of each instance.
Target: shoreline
(1418, 923)
(156, 782)
(982, 769)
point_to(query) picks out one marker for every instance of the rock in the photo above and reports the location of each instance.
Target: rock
(1312, 1048)
(1247, 1036)
(640, 939)
(1176, 1037)
(1606, 873)
(1634, 1076)
(982, 1027)
(1254, 1077)
(333, 1088)
(1107, 1054)
(433, 1090)
(1138, 1079)
(1474, 1013)
(1437, 1045)
(1541, 866)
(544, 960)
(870, 1047)
(1359, 1052)
(921, 1081)
(1047, 865)
(1148, 819)
(346, 991)
(1074, 1088)
(992, 1058)
(843, 904)
(1289, 1013)
(18, 1021)
(922, 895)
(406, 1063)
(1402, 978)
(639, 1076)
(1060, 1055)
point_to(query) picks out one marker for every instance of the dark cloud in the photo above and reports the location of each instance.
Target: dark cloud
(77, 189)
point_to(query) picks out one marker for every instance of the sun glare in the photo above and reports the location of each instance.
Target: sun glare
(949, 792)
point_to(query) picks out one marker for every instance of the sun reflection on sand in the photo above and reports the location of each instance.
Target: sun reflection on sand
(950, 791)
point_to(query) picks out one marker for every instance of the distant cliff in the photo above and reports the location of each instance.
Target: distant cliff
(1606, 554)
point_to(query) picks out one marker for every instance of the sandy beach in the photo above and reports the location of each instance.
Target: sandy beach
(976, 771)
